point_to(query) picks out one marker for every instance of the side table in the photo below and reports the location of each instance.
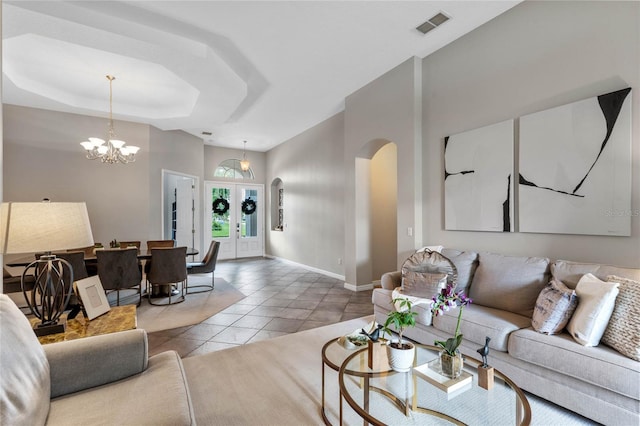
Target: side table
(119, 318)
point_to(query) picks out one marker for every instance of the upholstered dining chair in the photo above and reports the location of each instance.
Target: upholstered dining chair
(208, 264)
(118, 270)
(159, 244)
(168, 268)
(127, 244)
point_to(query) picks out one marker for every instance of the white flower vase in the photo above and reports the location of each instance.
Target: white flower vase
(401, 360)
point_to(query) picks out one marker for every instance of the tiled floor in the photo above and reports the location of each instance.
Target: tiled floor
(281, 299)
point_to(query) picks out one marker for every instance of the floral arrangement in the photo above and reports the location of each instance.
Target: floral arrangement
(448, 298)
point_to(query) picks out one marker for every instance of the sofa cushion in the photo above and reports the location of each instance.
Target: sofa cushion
(466, 263)
(25, 382)
(571, 272)
(554, 308)
(600, 366)
(510, 283)
(479, 322)
(159, 395)
(596, 300)
(623, 331)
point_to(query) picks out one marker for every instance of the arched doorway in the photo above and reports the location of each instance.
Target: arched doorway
(376, 207)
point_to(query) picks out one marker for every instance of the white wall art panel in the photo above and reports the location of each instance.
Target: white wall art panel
(478, 184)
(575, 168)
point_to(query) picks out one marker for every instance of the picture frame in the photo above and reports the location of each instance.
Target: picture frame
(92, 296)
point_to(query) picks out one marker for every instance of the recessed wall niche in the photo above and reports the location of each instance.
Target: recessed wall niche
(277, 205)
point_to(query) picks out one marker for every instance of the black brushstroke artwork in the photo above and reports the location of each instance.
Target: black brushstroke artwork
(506, 212)
(446, 173)
(610, 105)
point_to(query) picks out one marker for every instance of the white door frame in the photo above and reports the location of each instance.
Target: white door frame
(231, 251)
(196, 206)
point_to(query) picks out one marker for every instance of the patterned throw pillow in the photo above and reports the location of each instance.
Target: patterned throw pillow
(623, 331)
(554, 307)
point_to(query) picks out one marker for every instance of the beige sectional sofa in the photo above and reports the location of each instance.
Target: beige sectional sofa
(596, 382)
(101, 380)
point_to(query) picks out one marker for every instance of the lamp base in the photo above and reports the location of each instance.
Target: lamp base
(46, 329)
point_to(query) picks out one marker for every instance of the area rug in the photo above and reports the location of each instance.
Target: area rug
(279, 382)
(196, 308)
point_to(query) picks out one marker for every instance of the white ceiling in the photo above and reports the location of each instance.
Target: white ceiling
(260, 71)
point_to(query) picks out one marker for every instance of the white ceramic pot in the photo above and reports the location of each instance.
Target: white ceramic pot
(401, 360)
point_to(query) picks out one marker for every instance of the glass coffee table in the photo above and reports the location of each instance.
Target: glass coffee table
(381, 396)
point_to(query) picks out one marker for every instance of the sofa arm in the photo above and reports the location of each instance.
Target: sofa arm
(391, 280)
(81, 364)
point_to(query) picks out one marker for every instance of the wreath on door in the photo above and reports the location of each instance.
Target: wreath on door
(220, 206)
(248, 206)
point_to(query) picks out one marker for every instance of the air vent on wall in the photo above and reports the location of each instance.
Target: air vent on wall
(432, 22)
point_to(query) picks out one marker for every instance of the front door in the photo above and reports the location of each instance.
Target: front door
(234, 216)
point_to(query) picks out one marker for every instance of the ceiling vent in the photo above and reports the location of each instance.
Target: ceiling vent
(206, 133)
(433, 22)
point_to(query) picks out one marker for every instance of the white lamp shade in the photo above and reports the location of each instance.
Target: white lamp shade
(97, 141)
(124, 150)
(35, 227)
(87, 145)
(103, 149)
(117, 143)
(133, 149)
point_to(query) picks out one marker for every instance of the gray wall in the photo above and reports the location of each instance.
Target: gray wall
(176, 151)
(43, 158)
(536, 56)
(386, 110)
(310, 166)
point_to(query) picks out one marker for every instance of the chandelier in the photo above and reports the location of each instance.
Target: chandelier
(244, 163)
(113, 150)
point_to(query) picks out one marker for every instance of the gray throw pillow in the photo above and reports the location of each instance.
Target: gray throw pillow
(623, 331)
(25, 382)
(466, 263)
(554, 307)
(509, 283)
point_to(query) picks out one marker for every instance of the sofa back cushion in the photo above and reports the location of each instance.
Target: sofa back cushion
(510, 283)
(571, 272)
(25, 382)
(466, 263)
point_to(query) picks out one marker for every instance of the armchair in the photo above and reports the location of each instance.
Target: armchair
(87, 381)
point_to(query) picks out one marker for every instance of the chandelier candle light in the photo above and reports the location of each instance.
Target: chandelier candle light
(113, 150)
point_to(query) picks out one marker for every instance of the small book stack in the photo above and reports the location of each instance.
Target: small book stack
(432, 373)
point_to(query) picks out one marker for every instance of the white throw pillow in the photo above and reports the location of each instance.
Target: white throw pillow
(596, 300)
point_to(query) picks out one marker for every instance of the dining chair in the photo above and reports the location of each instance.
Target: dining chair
(208, 264)
(89, 253)
(160, 244)
(168, 268)
(127, 244)
(76, 260)
(118, 270)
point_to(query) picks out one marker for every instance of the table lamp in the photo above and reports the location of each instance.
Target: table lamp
(45, 227)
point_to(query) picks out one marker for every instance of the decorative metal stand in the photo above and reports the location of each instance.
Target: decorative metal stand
(50, 294)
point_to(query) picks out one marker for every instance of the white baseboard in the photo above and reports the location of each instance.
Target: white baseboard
(310, 268)
(362, 287)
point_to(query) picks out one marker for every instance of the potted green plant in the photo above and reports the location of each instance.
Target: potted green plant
(451, 360)
(400, 353)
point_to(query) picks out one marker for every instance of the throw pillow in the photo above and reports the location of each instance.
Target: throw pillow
(424, 273)
(554, 308)
(623, 331)
(25, 382)
(423, 284)
(509, 283)
(466, 263)
(596, 300)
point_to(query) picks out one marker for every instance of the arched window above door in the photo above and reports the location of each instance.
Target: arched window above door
(231, 169)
